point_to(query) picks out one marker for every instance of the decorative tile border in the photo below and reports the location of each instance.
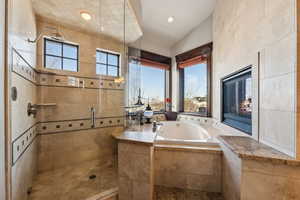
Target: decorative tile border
(20, 144)
(78, 82)
(108, 122)
(197, 119)
(25, 70)
(22, 68)
(76, 125)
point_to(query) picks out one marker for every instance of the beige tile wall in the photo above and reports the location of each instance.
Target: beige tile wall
(251, 180)
(74, 94)
(88, 43)
(188, 170)
(242, 29)
(269, 181)
(231, 175)
(135, 171)
(68, 138)
(21, 21)
(70, 148)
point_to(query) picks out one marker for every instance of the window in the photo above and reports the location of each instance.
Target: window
(195, 88)
(60, 55)
(151, 83)
(194, 71)
(107, 63)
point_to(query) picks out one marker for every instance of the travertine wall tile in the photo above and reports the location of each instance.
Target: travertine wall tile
(231, 175)
(188, 170)
(135, 168)
(70, 148)
(241, 30)
(269, 181)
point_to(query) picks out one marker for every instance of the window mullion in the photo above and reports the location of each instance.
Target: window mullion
(62, 56)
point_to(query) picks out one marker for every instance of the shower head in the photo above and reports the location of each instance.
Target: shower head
(55, 35)
(58, 36)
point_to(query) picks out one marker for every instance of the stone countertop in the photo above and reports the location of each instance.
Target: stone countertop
(248, 148)
(142, 134)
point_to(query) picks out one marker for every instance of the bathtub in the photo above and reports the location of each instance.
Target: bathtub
(184, 133)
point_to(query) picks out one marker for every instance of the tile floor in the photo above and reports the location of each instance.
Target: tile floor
(73, 183)
(164, 193)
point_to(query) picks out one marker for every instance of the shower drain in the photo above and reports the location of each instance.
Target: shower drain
(93, 176)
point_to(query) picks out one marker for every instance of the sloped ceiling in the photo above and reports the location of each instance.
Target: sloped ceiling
(107, 16)
(188, 14)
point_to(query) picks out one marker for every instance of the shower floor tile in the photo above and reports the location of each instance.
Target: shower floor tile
(165, 193)
(74, 183)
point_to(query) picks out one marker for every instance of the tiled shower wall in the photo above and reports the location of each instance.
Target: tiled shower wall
(241, 30)
(22, 127)
(66, 136)
(59, 135)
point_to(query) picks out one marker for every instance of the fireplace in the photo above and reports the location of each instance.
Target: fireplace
(237, 100)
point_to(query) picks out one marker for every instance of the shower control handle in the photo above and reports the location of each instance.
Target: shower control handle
(93, 119)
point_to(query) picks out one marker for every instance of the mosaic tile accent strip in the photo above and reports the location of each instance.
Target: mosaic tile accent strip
(198, 119)
(76, 125)
(78, 82)
(22, 68)
(107, 122)
(20, 145)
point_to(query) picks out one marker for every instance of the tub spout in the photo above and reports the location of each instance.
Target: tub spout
(155, 124)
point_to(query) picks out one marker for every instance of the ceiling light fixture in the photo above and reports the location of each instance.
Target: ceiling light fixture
(85, 15)
(170, 19)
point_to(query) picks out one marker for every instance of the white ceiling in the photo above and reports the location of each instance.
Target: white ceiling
(187, 13)
(108, 14)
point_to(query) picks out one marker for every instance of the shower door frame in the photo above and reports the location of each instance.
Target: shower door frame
(5, 101)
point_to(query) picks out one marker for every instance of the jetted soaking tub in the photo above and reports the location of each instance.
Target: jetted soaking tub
(184, 133)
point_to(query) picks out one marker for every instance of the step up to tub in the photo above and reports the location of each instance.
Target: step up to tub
(111, 194)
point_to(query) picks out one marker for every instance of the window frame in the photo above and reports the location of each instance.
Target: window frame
(200, 51)
(107, 52)
(138, 55)
(62, 57)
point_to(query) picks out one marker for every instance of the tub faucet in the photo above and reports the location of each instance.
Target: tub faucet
(155, 124)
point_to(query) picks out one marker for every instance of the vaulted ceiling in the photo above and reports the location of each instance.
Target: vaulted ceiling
(187, 14)
(107, 16)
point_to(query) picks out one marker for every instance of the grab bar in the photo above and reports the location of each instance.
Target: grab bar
(93, 110)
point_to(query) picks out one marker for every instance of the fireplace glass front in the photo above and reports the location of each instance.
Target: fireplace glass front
(237, 100)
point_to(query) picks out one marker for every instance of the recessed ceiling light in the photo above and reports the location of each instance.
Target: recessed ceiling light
(170, 19)
(85, 15)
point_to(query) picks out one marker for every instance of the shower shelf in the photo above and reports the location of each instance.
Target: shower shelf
(46, 104)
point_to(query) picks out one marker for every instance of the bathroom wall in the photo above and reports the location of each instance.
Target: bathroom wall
(67, 138)
(2, 100)
(241, 30)
(188, 169)
(22, 127)
(200, 35)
